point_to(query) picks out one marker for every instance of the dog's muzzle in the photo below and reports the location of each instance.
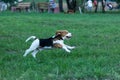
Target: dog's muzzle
(69, 35)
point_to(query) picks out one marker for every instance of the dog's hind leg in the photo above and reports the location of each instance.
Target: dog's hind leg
(27, 52)
(34, 53)
(33, 47)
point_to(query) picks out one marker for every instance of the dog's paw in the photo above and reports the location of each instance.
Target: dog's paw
(68, 51)
(72, 47)
(24, 55)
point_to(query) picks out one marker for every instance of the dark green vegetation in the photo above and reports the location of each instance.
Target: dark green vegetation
(96, 56)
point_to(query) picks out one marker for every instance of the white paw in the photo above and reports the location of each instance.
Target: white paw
(34, 56)
(68, 51)
(72, 47)
(24, 55)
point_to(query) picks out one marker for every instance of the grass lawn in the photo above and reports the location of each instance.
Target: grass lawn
(96, 56)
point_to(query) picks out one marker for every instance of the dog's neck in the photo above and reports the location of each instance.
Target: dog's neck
(57, 37)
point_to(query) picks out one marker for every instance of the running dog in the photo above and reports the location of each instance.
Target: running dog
(56, 41)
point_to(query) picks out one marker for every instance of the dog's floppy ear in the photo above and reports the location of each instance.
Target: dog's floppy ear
(58, 32)
(61, 32)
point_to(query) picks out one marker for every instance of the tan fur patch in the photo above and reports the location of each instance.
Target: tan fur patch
(57, 45)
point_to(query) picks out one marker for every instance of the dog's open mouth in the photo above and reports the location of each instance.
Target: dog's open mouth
(68, 36)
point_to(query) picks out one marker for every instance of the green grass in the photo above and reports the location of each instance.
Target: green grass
(96, 56)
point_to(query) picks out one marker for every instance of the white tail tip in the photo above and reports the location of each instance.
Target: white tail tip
(31, 37)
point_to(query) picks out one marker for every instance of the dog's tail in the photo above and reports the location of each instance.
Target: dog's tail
(31, 37)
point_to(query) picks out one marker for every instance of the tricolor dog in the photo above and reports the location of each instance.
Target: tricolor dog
(56, 41)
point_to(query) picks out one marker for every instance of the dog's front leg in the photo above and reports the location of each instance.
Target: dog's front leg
(66, 49)
(70, 47)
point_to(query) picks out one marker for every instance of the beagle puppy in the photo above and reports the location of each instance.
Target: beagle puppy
(56, 41)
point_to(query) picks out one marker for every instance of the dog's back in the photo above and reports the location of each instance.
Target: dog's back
(46, 42)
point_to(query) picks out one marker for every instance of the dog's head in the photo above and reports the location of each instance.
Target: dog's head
(64, 34)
